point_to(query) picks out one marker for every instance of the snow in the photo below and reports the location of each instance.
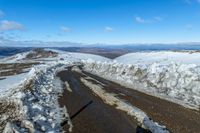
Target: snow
(67, 86)
(14, 58)
(179, 83)
(35, 93)
(39, 105)
(11, 81)
(14, 81)
(74, 56)
(174, 76)
(162, 57)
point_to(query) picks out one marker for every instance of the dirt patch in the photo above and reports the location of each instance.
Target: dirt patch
(8, 113)
(15, 68)
(41, 53)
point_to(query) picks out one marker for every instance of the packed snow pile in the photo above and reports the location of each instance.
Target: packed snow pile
(38, 109)
(29, 101)
(173, 81)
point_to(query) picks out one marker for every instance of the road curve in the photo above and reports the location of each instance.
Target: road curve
(102, 118)
(97, 117)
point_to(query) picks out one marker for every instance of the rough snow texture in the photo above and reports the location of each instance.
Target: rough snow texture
(41, 104)
(39, 108)
(29, 100)
(178, 82)
(110, 99)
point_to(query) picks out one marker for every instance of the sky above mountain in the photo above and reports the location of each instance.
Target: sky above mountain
(100, 21)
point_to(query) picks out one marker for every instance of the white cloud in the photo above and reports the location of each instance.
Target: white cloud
(145, 21)
(108, 29)
(6, 25)
(65, 29)
(1, 13)
(140, 20)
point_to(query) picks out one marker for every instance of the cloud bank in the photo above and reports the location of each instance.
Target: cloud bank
(6, 25)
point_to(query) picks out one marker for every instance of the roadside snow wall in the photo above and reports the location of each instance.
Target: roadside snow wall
(39, 110)
(178, 83)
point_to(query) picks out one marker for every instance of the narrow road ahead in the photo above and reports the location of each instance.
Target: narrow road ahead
(99, 117)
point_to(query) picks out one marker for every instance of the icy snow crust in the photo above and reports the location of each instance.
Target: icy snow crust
(165, 75)
(38, 97)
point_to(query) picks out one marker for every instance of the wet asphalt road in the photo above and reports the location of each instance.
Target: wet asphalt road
(99, 117)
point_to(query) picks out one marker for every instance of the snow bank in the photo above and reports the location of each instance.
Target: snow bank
(40, 102)
(39, 108)
(178, 82)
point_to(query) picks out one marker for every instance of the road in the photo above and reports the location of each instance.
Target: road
(99, 117)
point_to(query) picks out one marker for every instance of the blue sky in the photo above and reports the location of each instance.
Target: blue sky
(100, 21)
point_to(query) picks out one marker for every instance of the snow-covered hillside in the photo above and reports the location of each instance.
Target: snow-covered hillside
(29, 89)
(174, 76)
(162, 57)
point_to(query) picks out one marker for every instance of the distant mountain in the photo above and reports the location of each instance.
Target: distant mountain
(7, 51)
(103, 49)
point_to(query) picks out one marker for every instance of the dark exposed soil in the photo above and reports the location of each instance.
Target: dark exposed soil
(14, 68)
(40, 53)
(8, 110)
